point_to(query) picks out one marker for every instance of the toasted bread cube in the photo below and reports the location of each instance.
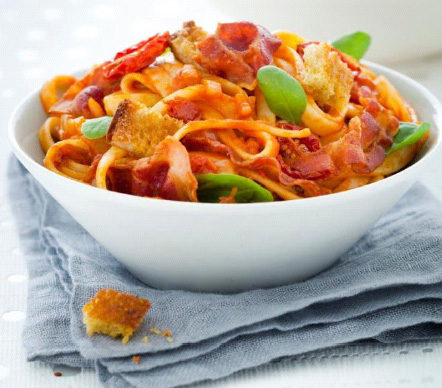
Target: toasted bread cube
(114, 313)
(183, 43)
(326, 77)
(138, 130)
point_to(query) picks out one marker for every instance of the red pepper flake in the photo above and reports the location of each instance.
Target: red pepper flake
(58, 374)
(136, 359)
(136, 57)
(167, 333)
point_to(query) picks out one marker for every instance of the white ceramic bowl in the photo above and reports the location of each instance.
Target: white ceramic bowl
(226, 248)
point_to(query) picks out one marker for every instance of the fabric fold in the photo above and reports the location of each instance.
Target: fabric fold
(387, 288)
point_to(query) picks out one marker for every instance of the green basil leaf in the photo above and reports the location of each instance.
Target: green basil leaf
(167, 51)
(96, 128)
(355, 44)
(213, 186)
(284, 95)
(408, 134)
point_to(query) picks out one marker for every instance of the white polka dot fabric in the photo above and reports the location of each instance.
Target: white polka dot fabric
(39, 39)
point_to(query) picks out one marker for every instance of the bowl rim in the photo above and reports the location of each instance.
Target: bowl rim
(179, 205)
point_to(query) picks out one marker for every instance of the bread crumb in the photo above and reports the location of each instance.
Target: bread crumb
(183, 43)
(169, 339)
(167, 333)
(154, 330)
(114, 313)
(139, 130)
(326, 77)
(136, 359)
(145, 339)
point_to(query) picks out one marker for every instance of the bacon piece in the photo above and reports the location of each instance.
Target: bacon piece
(311, 142)
(207, 162)
(184, 110)
(348, 153)
(272, 168)
(202, 142)
(387, 122)
(378, 125)
(119, 178)
(237, 51)
(299, 162)
(256, 44)
(202, 165)
(363, 90)
(304, 158)
(166, 174)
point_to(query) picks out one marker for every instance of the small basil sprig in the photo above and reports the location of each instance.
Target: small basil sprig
(213, 186)
(408, 134)
(167, 51)
(355, 45)
(284, 95)
(96, 128)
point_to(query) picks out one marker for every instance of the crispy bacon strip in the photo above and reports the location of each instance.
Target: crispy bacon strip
(183, 110)
(272, 168)
(349, 155)
(202, 165)
(304, 158)
(166, 174)
(237, 51)
(362, 148)
(203, 142)
(311, 142)
(300, 163)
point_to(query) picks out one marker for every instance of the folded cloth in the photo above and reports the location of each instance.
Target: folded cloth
(388, 287)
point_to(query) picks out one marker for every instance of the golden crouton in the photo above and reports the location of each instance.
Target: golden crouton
(138, 130)
(114, 313)
(326, 77)
(183, 43)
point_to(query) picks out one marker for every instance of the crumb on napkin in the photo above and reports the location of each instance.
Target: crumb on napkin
(162, 333)
(136, 359)
(114, 313)
(154, 330)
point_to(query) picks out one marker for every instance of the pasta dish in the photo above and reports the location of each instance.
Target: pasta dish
(241, 115)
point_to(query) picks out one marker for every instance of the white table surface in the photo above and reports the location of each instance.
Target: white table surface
(41, 38)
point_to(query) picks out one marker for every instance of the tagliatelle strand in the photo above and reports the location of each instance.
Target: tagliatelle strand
(69, 158)
(241, 125)
(106, 161)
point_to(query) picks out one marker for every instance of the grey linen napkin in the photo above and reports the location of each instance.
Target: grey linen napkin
(388, 287)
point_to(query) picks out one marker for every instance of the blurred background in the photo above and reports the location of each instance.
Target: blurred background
(40, 39)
